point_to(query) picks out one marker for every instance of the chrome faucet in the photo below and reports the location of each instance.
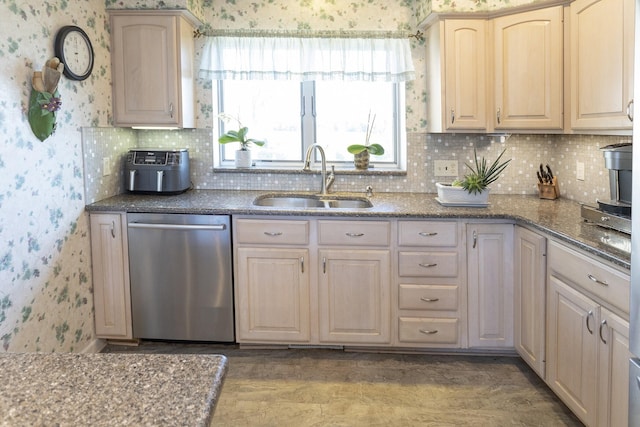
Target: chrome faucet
(326, 182)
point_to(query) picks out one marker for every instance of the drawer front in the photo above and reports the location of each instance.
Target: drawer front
(607, 283)
(428, 297)
(427, 233)
(354, 233)
(428, 264)
(427, 330)
(274, 232)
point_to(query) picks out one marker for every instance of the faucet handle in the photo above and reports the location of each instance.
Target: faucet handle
(369, 190)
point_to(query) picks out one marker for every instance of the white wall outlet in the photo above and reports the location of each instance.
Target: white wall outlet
(106, 166)
(445, 167)
(580, 171)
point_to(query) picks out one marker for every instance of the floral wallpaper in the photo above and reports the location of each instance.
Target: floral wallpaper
(45, 268)
(424, 8)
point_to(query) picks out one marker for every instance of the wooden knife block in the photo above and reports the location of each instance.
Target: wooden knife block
(549, 191)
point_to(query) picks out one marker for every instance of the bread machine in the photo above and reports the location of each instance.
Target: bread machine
(157, 170)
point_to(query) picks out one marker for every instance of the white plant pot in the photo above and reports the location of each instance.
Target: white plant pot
(458, 195)
(243, 158)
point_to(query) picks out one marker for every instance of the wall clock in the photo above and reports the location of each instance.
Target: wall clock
(74, 49)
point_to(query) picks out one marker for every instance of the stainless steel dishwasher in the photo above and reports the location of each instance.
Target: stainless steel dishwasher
(181, 277)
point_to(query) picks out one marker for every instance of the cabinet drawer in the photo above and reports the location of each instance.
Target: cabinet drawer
(427, 233)
(428, 264)
(354, 233)
(428, 297)
(607, 283)
(276, 232)
(428, 330)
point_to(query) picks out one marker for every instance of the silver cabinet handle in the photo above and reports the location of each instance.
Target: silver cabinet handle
(324, 265)
(425, 299)
(171, 110)
(423, 265)
(113, 229)
(302, 264)
(273, 233)
(453, 116)
(354, 234)
(427, 234)
(603, 325)
(589, 315)
(498, 114)
(434, 331)
(596, 280)
(475, 238)
(630, 106)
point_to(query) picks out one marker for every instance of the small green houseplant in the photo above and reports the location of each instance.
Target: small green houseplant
(361, 152)
(243, 155)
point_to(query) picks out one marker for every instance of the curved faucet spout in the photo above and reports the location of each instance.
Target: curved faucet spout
(307, 166)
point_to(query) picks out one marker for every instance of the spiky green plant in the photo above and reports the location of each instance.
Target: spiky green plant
(482, 174)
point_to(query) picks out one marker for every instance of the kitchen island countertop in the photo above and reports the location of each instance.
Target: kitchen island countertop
(560, 218)
(68, 389)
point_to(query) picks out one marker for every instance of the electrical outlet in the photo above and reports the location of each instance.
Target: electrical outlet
(580, 171)
(445, 167)
(106, 166)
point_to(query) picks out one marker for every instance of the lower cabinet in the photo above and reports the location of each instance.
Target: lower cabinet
(529, 300)
(490, 285)
(273, 295)
(354, 304)
(111, 287)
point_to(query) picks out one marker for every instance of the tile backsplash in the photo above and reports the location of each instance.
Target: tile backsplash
(527, 152)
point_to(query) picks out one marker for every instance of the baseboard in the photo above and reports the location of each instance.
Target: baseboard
(94, 346)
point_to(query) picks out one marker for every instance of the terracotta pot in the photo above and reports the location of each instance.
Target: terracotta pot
(361, 160)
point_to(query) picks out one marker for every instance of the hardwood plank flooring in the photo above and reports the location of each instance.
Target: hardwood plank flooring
(326, 387)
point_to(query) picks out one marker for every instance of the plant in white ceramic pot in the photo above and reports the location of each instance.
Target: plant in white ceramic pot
(361, 153)
(243, 155)
(474, 187)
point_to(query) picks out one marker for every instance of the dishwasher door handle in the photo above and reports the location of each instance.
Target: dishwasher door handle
(216, 227)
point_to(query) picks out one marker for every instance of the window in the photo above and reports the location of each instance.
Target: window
(292, 116)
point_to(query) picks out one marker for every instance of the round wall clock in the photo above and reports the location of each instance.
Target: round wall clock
(74, 49)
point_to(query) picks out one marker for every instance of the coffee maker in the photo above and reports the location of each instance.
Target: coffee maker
(615, 213)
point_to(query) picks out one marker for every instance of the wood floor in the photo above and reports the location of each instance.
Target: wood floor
(318, 387)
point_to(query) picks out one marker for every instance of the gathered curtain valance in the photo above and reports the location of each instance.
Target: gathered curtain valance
(307, 57)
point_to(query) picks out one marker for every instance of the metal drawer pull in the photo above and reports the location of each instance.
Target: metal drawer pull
(113, 229)
(596, 280)
(603, 324)
(427, 234)
(590, 314)
(453, 116)
(422, 331)
(324, 265)
(273, 233)
(302, 264)
(427, 265)
(630, 106)
(354, 234)
(425, 299)
(475, 238)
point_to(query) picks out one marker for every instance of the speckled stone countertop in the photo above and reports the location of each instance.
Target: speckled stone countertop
(559, 218)
(70, 389)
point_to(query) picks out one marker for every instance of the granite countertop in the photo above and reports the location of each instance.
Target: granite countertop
(559, 218)
(69, 389)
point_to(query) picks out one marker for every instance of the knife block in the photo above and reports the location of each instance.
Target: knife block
(549, 191)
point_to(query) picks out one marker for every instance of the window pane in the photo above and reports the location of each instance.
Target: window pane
(271, 111)
(342, 109)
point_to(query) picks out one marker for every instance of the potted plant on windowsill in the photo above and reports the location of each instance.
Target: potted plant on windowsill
(361, 153)
(473, 188)
(243, 155)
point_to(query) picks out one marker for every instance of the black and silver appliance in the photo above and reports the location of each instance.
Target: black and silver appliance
(157, 170)
(181, 277)
(615, 213)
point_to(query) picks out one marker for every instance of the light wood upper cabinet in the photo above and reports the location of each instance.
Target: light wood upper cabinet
(528, 70)
(111, 286)
(457, 75)
(152, 56)
(601, 64)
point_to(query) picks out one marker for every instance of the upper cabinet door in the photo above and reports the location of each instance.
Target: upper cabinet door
(528, 70)
(602, 64)
(465, 74)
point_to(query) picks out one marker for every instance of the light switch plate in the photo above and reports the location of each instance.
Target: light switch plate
(580, 171)
(445, 167)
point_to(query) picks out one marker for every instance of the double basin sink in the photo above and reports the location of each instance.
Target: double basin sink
(298, 201)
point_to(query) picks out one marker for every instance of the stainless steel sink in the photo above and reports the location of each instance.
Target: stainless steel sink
(312, 202)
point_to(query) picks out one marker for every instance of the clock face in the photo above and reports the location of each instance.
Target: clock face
(74, 49)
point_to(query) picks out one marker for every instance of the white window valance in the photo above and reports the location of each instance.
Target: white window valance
(304, 57)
